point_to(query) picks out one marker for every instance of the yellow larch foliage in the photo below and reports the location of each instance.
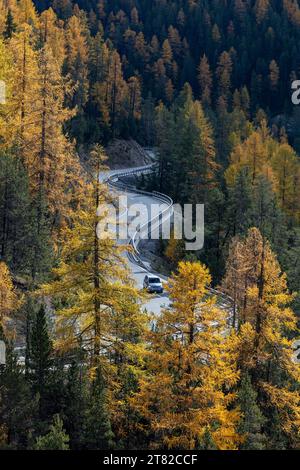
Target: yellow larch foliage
(34, 114)
(192, 368)
(277, 161)
(9, 301)
(267, 326)
(99, 305)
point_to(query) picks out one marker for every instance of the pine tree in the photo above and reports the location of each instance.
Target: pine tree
(187, 149)
(40, 357)
(76, 402)
(98, 432)
(18, 410)
(203, 168)
(252, 420)
(56, 439)
(15, 213)
(240, 203)
(274, 75)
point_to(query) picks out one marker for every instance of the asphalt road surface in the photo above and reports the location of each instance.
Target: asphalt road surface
(156, 301)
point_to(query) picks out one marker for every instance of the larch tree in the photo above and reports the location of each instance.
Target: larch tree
(262, 156)
(52, 33)
(10, 25)
(22, 105)
(274, 73)
(191, 366)
(7, 76)
(223, 73)
(116, 91)
(76, 60)
(286, 166)
(25, 13)
(54, 154)
(267, 326)
(205, 80)
(253, 153)
(99, 64)
(261, 8)
(204, 165)
(167, 54)
(100, 306)
(110, 91)
(8, 299)
(134, 101)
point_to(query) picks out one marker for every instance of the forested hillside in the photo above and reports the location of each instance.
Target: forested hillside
(230, 51)
(206, 83)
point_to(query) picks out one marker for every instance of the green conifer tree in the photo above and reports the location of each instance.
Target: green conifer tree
(56, 439)
(252, 419)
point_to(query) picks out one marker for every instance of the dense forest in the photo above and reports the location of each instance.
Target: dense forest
(207, 84)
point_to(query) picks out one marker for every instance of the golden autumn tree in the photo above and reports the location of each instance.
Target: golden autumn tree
(191, 368)
(99, 65)
(274, 74)
(32, 121)
(110, 91)
(51, 32)
(205, 80)
(203, 167)
(100, 303)
(21, 105)
(134, 99)
(116, 91)
(76, 59)
(55, 168)
(223, 73)
(25, 12)
(286, 168)
(253, 153)
(6, 77)
(266, 326)
(276, 161)
(261, 8)
(8, 299)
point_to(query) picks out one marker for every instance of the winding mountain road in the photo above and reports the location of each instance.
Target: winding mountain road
(138, 267)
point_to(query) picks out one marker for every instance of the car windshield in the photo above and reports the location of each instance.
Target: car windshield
(154, 280)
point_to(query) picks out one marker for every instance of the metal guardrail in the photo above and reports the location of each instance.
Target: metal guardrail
(165, 214)
(113, 181)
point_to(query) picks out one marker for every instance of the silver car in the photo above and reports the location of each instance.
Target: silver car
(153, 284)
